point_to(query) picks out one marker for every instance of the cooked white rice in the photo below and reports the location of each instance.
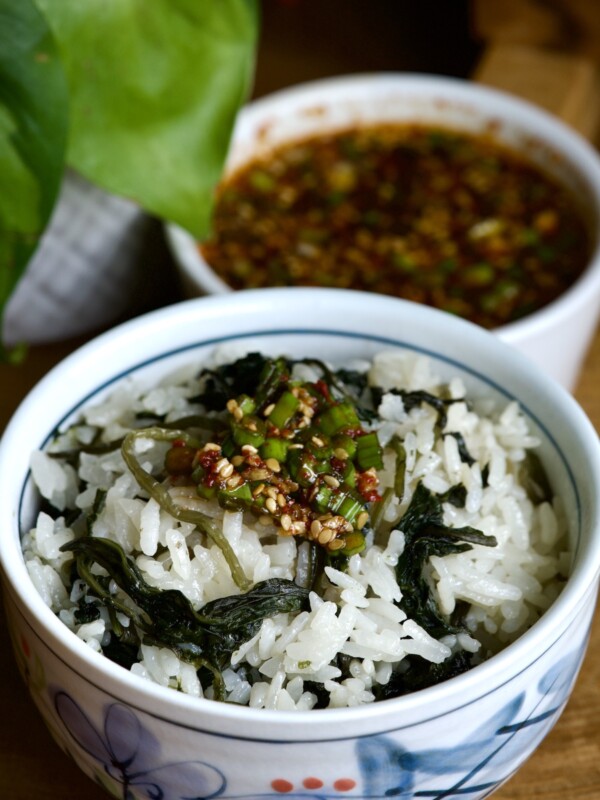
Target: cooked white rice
(507, 587)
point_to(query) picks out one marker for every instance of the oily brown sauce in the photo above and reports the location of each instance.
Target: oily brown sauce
(445, 218)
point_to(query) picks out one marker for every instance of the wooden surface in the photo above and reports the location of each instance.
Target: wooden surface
(566, 85)
(567, 765)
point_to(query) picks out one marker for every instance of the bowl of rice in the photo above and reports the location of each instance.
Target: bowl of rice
(433, 189)
(299, 541)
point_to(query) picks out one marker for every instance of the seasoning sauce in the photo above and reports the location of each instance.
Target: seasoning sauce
(445, 218)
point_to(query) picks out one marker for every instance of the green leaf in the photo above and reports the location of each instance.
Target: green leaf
(155, 89)
(166, 617)
(426, 535)
(33, 134)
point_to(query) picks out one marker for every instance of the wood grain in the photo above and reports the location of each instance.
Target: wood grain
(566, 85)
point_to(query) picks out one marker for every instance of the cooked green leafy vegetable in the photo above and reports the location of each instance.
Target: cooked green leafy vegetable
(207, 483)
(415, 399)
(421, 673)
(166, 617)
(426, 535)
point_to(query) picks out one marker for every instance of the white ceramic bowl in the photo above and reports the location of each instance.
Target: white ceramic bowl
(464, 736)
(557, 336)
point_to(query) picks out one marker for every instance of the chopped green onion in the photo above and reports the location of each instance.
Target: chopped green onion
(324, 497)
(243, 435)
(348, 506)
(338, 418)
(284, 410)
(246, 404)
(274, 448)
(206, 492)
(235, 498)
(368, 452)
(355, 543)
(346, 443)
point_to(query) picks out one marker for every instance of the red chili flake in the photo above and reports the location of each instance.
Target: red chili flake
(206, 458)
(353, 433)
(337, 464)
(366, 483)
(322, 387)
(179, 443)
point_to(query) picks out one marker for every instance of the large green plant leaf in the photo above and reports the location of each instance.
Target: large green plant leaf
(33, 134)
(155, 87)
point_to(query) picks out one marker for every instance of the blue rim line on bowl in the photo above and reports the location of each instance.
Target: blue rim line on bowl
(266, 332)
(211, 308)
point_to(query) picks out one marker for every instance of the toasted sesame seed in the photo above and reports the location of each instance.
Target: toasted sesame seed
(265, 519)
(341, 453)
(221, 464)
(273, 464)
(362, 520)
(332, 481)
(226, 471)
(234, 481)
(237, 461)
(299, 527)
(258, 490)
(256, 474)
(315, 527)
(249, 449)
(286, 522)
(271, 505)
(234, 409)
(336, 544)
(281, 500)
(268, 409)
(272, 492)
(318, 441)
(211, 446)
(325, 536)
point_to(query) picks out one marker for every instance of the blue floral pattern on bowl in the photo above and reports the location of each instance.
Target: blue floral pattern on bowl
(133, 765)
(130, 755)
(144, 742)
